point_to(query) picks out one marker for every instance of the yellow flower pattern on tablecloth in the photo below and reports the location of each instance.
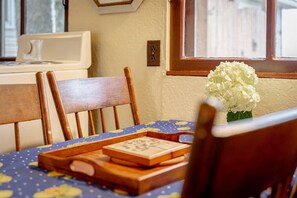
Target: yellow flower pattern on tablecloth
(120, 192)
(184, 128)
(1, 164)
(76, 144)
(4, 178)
(181, 123)
(116, 131)
(45, 146)
(173, 195)
(148, 129)
(59, 191)
(33, 163)
(6, 193)
(67, 177)
(54, 174)
(150, 123)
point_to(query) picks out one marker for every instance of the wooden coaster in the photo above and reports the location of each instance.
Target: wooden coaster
(164, 163)
(145, 150)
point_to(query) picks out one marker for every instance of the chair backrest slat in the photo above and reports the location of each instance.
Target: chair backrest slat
(102, 120)
(17, 136)
(78, 125)
(116, 117)
(92, 126)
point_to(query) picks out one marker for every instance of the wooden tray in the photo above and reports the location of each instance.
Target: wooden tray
(87, 162)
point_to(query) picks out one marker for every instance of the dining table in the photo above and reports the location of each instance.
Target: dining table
(20, 175)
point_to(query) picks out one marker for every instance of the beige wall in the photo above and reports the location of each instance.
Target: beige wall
(119, 40)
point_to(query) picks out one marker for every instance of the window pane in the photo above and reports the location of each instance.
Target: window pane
(9, 26)
(286, 29)
(226, 28)
(44, 16)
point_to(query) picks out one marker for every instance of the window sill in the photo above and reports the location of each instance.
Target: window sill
(280, 75)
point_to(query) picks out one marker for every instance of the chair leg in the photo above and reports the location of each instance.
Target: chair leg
(116, 117)
(79, 131)
(17, 136)
(281, 189)
(102, 121)
(92, 127)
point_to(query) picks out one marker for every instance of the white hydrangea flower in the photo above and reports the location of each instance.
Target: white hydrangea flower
(233, 83)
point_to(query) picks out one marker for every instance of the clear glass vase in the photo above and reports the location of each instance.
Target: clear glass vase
(239, 115)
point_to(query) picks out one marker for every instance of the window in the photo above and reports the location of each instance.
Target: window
(29, 17)
(262, 33)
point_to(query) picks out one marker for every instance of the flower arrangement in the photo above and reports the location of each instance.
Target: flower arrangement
(233, 83)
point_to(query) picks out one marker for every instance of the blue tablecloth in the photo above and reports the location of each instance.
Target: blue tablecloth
(21, 177)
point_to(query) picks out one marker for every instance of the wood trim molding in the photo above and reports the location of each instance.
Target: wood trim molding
(184, 64)
(116, 6)
(112, 3)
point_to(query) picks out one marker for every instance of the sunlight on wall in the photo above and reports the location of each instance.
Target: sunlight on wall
(119, 40)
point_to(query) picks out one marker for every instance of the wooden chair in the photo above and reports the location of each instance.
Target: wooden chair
(242, 158)
(25, 102)
(77, 95)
